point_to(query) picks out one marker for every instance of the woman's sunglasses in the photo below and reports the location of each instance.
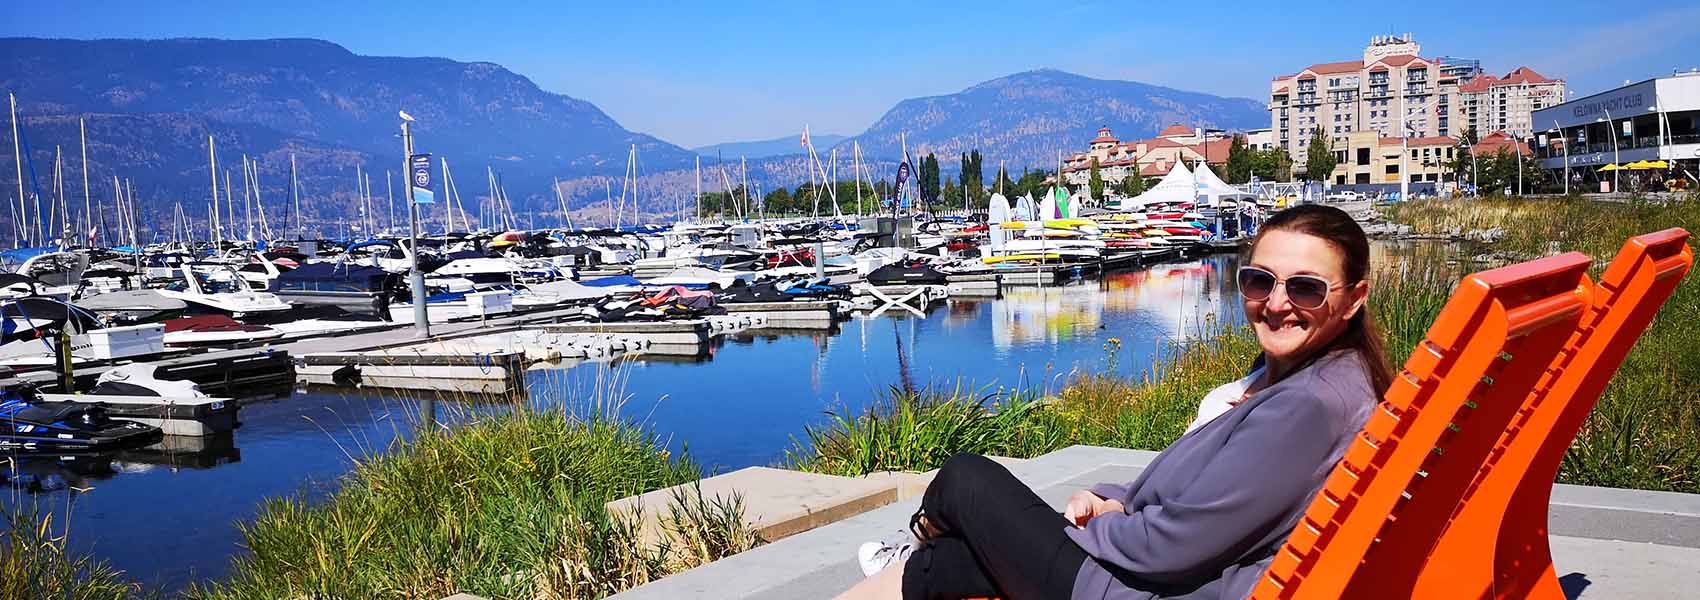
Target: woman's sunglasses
(1304, 291)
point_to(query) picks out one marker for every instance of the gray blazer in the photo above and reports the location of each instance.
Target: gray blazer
(1206, 516)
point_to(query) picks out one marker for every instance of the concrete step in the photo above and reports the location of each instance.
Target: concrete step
(778, 503)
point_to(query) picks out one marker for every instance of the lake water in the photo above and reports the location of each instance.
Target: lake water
(170, 518)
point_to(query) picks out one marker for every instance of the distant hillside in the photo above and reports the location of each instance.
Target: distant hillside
(779, 146)
(1027, 118)
(152, 102)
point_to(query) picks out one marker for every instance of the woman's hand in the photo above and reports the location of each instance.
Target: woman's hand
(1085, 505)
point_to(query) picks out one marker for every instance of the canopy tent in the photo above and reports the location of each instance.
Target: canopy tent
(1213, 189)
(1174, 188)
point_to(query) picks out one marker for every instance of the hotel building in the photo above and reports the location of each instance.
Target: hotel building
(1391, 91)
(1150, 157)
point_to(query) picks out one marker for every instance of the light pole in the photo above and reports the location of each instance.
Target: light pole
(1564, 141)
(416, 280)
(1611, 131)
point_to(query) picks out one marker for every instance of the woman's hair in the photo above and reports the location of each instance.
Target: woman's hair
(1334, 226)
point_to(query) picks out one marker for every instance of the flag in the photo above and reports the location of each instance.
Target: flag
(91, 236)
(805, 140)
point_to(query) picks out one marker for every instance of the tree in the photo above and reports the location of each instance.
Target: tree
(1319, 165)
(1130, 186)
(951, 194)
(1463, 164)
(777, 201)
(929, 182)
(1239, 161)
(1004, 184)
(1271, 165)
(972, 177)
(1094, 180)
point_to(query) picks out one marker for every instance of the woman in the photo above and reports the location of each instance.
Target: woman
(1205, 517)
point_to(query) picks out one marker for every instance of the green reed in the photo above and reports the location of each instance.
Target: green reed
(35, 564)
(509, 505)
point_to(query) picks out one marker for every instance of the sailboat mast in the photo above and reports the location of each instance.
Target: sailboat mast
(88, 202)
(18, 163)
(856, 164)
(130, 208)
(295, 194)
(212, 168)
(697, 201)
(389, 192)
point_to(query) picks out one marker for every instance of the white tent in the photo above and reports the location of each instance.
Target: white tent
(1212, 190)
(1175, 187)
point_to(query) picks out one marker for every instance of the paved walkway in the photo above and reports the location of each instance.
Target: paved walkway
(1606, 543)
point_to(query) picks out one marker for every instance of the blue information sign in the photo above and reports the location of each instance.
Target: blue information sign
(419, 178)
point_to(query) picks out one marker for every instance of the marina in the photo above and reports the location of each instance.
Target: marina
(304, 440)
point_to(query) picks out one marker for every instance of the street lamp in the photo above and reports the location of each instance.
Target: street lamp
(1611, 132)
(416, 279)
(1564, 141)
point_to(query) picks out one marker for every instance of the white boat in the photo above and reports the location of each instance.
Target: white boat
(132, 392)
(230, 297)
(701, 278)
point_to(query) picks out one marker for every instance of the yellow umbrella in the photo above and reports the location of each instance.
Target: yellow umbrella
(1638, 165)
(1609, 168)
(1658, 164)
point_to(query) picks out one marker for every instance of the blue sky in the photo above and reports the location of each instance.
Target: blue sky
(699, 73)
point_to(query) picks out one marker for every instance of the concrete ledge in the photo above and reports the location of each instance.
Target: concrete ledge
(1607, 543)
(778, 503)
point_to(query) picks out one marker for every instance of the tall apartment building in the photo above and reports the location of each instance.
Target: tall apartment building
(1394, 92)
(1492, 104)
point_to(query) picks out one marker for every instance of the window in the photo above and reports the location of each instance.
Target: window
(1392, 168)
(1363, 156)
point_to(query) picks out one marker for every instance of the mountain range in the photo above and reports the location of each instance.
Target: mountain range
(779, 146)
(1027, 119)
(149, 106)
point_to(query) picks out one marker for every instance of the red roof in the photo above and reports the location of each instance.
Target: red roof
(1518, 76)
(1216, 151)
(1176, 129)
(1283, 90)
(1104, 136)
(1400, 60)
(1348, 66)
(1152, 170)
(1526, 75)
(1492, 143)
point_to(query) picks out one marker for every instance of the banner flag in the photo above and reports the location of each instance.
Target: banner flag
(419, 179)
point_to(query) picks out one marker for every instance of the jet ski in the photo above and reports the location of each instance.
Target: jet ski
(49, 427)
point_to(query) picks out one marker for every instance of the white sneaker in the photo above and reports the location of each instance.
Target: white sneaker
(876, 556)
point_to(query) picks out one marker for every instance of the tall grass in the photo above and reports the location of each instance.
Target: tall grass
(509, 505)
(35, 564)
(1644, 432)
(904, 431)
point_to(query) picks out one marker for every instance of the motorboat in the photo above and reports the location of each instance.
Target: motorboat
(214, 330)
(133, 392)
(698, 278)
(59, 273)
(134, 306)
(32, 426)
(230, 297)
(344, 284)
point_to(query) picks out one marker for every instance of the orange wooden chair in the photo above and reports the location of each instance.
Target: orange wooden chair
(1369, 531)
(1496, 545)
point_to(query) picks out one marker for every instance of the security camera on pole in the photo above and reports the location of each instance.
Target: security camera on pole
(416, 195)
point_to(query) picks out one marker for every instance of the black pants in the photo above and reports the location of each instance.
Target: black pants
(1000, 539)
